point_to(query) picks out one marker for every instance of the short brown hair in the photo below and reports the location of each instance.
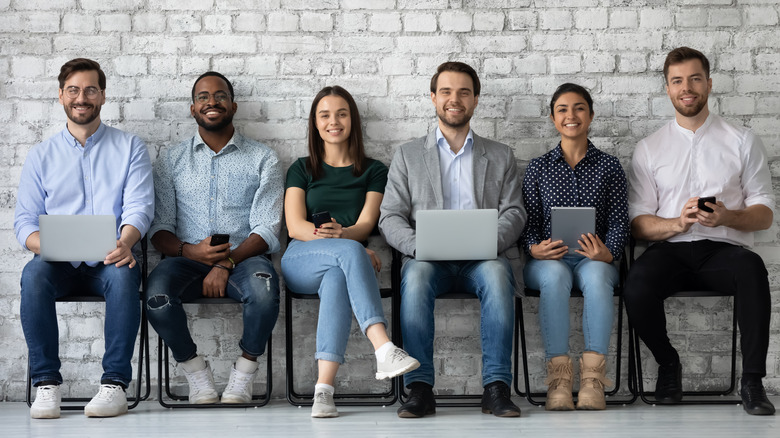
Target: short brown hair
(458, 67)
(81, 64)
(682, 54)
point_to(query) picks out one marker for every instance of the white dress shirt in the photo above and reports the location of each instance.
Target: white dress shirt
(457, 173)
(719, 159)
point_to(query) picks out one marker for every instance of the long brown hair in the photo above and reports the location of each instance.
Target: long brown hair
(356, 151)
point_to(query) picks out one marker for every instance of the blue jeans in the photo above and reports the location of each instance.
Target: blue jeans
(490, 280)
(43, 282)
(340, 271)
(178, 280)
(554, 279)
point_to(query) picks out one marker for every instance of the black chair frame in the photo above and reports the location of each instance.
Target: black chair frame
(164, 377)
(143, 348)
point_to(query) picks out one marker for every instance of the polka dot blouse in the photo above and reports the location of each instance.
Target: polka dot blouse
(596, 181)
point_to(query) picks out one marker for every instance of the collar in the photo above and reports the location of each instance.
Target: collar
(442, 142)
(590, 154)
(702, 128)
(92, 139)
(235, 141)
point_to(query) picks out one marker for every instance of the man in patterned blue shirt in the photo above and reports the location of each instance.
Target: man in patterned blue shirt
(216, 183)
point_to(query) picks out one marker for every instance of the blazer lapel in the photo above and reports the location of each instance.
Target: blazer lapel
(430, 157)
(480, 163)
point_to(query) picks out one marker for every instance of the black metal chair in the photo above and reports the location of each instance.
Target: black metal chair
(521, 340)
(164, 376)
(639, 382)
(143, 348)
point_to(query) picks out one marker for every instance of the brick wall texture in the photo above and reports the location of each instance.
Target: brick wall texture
(278, 53)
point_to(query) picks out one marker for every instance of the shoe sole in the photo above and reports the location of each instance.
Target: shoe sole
(407, 414)
(327, 415)
(44, 415)
(398, 372)
(231, 401)
(558, 408)
(508, 414)
(93, 414)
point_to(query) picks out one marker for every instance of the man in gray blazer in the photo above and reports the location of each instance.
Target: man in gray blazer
(453, 168)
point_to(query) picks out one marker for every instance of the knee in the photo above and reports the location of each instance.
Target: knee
(496, 277)
(157, 302)
(416, 277)
(264, 288)
(550, 275)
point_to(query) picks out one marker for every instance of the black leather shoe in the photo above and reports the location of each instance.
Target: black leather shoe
(420, 403)
(754, 399)
(668, 387)
(497, 400)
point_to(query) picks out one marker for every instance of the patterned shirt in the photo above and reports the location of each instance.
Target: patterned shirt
(596, 181)
(236, 191)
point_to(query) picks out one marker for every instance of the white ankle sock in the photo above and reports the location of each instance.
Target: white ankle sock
(197, 363)
(245, 365)
(382, 351)
(324, 387)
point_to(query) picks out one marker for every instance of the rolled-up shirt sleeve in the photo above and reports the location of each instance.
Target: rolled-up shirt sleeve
(164, 196)
(642, 192)
(756, 179)
(29, 199)
(138, 196)
(265, 217)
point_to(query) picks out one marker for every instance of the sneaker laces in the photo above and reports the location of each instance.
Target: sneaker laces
(108, 392)
(397, 355)
(199, 381)
(46, 393)
(323, 398)
(238, 382)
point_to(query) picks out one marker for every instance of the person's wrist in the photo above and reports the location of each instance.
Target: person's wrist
(222, 267)
(180, 252)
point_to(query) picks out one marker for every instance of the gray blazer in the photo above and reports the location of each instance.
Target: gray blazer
(414, 183)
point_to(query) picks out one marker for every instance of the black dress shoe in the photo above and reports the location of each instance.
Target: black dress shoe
(497, 400)
(668, 387)
(420, 403)
(754, 399)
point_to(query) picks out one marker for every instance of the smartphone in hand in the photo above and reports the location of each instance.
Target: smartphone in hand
(220, 239)
(704, 199)
(320, 218)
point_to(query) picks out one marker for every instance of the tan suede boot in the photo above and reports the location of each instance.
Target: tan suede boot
(559, 384)
(593, 367)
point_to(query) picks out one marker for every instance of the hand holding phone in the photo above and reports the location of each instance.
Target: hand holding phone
(702, 200)
(220, 239)
(320, 218)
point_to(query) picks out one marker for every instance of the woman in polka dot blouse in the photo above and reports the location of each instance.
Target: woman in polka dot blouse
(575, 174)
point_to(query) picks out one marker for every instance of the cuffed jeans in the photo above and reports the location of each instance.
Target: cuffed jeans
(340, 271)
(554, 280)
(491, 281)
(43, 282)
(666, 268)
(178, 280)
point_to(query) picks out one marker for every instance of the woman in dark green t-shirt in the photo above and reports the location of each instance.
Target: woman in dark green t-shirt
(339, 181)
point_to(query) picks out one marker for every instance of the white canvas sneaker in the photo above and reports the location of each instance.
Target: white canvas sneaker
(202, 389)
(110, 401)
(323, 406)
(47, 402)
(396, 362)
(239, 387)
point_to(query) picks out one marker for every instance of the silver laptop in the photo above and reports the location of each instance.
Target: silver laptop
(569, 223)
(457, 234)
(74, 238)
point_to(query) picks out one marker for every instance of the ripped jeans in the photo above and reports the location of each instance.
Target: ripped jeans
(178, 280)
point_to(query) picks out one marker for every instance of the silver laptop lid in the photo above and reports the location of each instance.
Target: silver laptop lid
(457, 234)
(74, 238)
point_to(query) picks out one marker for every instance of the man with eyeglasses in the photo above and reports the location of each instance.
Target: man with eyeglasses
(87, 168)
(219, 210)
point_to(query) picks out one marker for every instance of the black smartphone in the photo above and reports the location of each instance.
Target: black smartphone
(320, 218)
(220, 239)
(704, 199)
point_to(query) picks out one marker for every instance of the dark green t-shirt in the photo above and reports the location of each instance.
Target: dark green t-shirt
(337, 191)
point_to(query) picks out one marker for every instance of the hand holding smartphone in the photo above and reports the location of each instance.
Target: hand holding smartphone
(320, 218)
(220, 239)
(702, 200)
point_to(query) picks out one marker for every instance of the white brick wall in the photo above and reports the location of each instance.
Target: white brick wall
(280, 52)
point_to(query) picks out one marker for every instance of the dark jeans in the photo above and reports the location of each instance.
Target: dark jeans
(666, 268)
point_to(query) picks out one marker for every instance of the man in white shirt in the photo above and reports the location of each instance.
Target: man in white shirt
(700, 245)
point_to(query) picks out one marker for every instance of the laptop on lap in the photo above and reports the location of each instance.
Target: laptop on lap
(73, 238)
(457, 235)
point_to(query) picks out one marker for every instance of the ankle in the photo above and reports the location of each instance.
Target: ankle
(324, 387)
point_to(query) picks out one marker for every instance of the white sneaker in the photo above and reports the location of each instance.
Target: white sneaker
(47, 402)
(239, 387)
(202, 390)
(396, 362)
(323, 406)
(110, 401)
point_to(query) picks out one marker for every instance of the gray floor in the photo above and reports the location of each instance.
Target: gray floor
(280, 419)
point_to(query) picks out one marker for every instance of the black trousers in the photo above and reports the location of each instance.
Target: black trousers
(666, 268)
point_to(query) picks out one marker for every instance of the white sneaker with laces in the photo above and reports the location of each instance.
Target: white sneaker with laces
(202, 389)
(110, 401)
(323, 406)
(239, 387)
(396, 362)
(47, 402)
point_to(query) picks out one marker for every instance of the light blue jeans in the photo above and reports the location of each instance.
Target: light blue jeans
(554, 279)
(340, 271)
(490, 280)
(43, 282)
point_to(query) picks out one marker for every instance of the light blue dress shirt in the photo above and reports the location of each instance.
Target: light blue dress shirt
(457, 173)
(237, 191)
(110, 174)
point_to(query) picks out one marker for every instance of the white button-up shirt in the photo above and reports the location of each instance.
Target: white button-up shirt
(675, 164)
(457, 174)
